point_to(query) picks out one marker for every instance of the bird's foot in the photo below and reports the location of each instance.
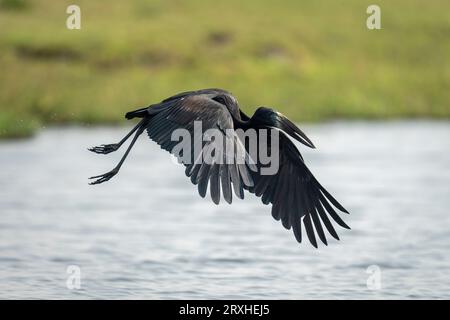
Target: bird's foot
(105, 148)
(103, 177)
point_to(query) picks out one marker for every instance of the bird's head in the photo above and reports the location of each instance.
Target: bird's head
(267, 117)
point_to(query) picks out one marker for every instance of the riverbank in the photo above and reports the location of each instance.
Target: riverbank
(312, 61)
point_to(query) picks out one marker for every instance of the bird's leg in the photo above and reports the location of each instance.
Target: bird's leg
(106, 176)
(108, 148)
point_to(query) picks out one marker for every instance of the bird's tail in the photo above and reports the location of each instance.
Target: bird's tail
(139, 113)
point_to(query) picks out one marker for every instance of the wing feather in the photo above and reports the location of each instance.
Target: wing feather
(180, 111)
(297, 197)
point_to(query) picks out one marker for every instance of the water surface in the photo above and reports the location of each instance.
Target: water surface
(147, 234)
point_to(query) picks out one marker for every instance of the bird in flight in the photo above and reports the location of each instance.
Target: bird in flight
(296, 196)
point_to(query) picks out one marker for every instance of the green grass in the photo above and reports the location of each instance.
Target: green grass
(311, 60)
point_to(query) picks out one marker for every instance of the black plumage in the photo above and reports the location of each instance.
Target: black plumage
(296, 196)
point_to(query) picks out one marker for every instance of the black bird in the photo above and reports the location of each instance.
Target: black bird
(293, 191)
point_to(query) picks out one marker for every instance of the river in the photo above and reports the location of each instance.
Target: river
(146, 234)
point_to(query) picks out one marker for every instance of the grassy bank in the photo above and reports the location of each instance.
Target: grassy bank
(312, 61)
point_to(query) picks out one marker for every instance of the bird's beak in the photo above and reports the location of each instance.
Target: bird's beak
(291, 129)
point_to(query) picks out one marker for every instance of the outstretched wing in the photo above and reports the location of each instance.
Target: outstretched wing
(297, 197)
(212, 161)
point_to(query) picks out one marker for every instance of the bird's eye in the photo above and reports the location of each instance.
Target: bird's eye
(220, 100)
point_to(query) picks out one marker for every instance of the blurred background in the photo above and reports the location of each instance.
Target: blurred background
(312, 60)
(376, 103)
